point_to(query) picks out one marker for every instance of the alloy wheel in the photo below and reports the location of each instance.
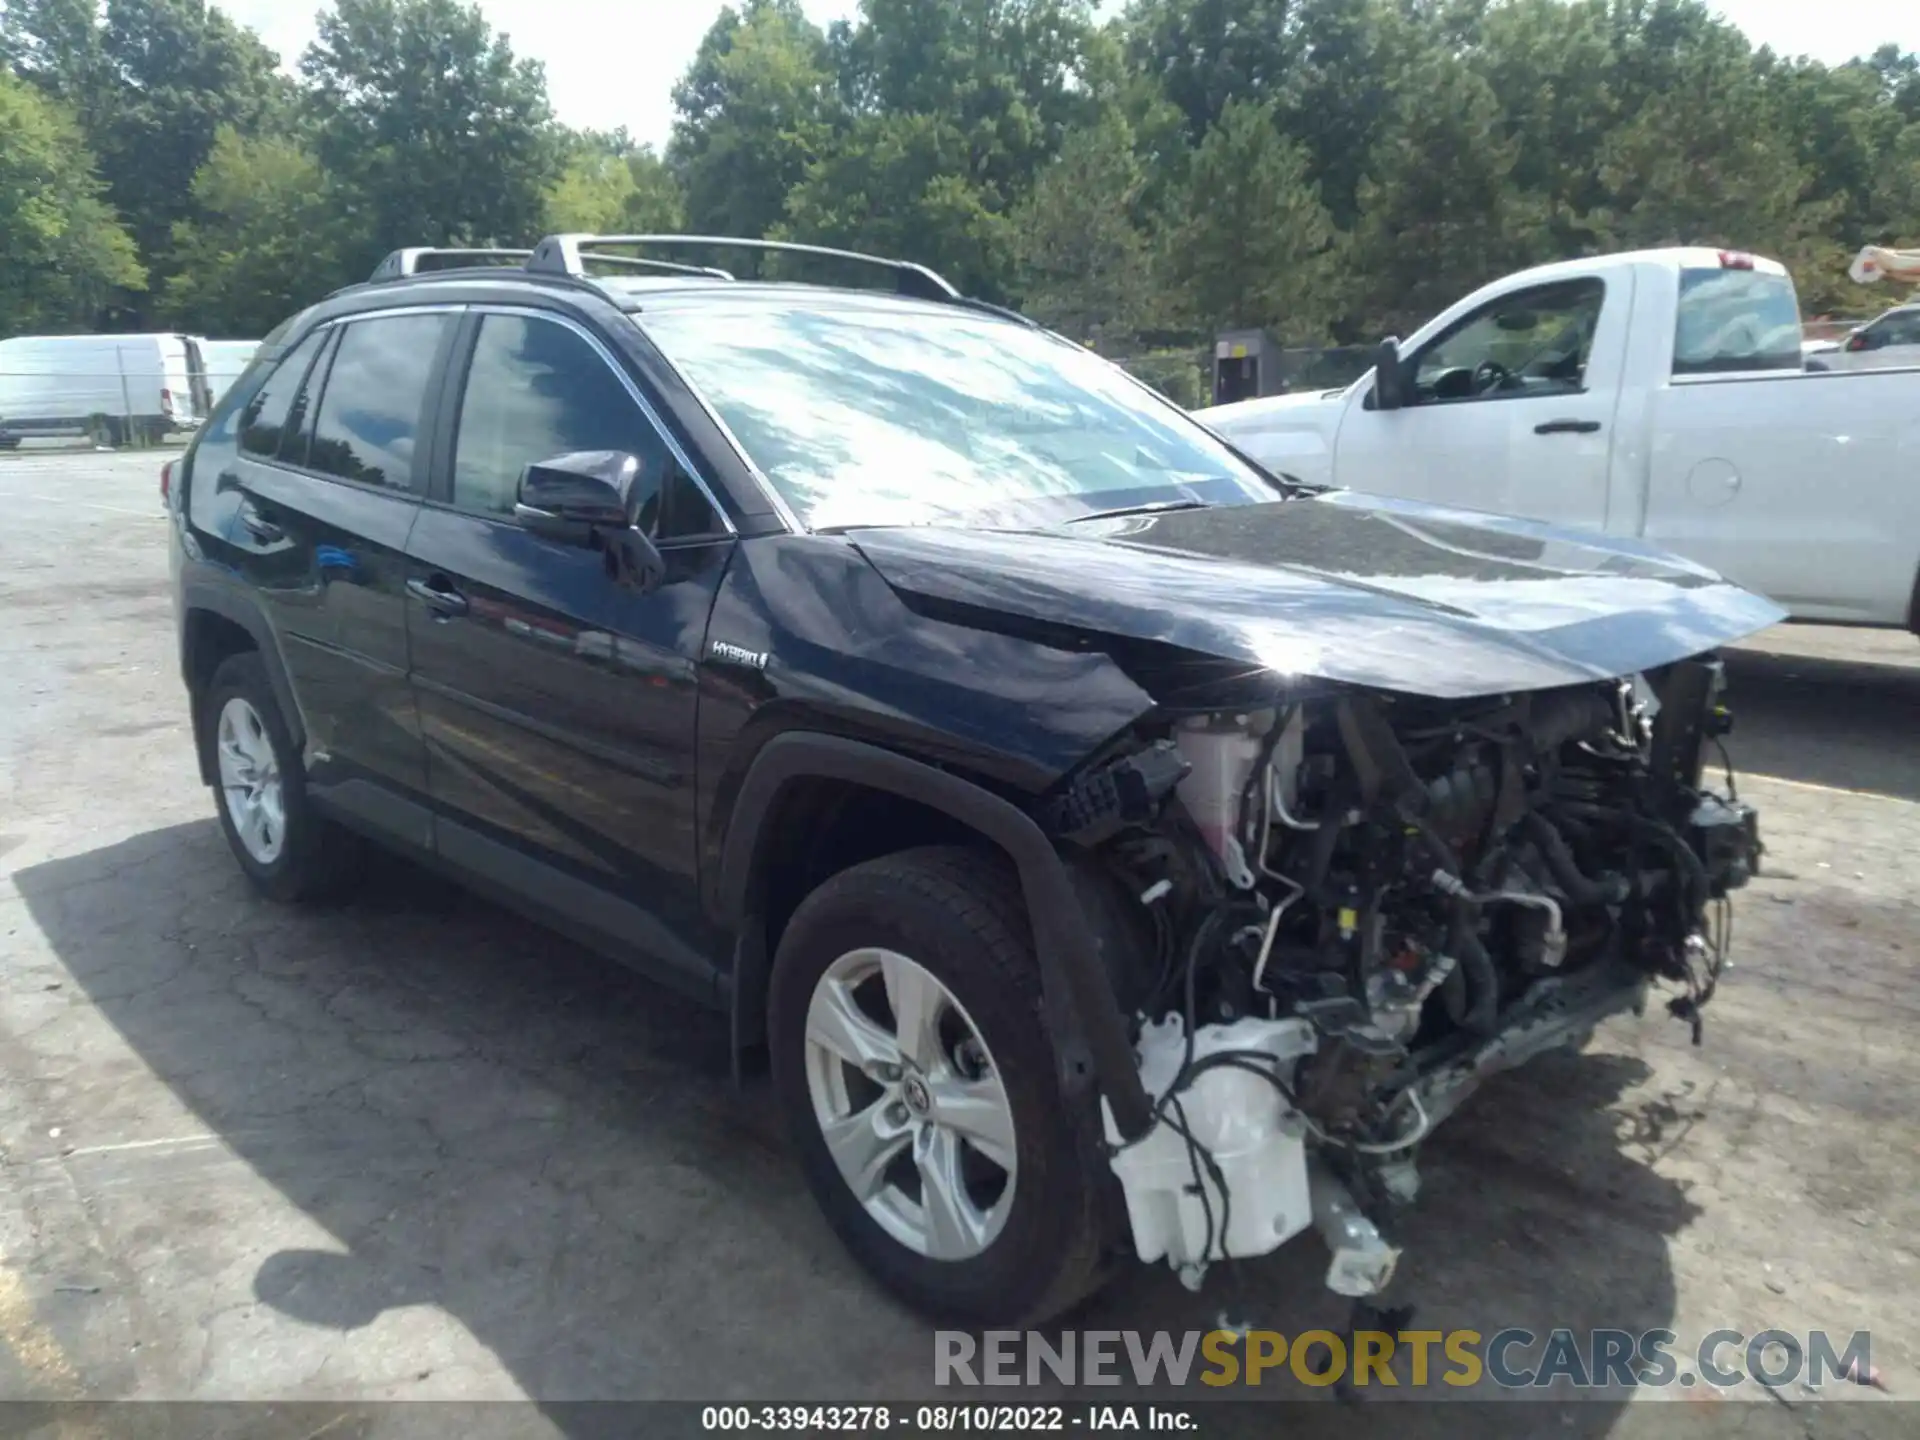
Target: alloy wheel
(250, 781)
(910, 1103)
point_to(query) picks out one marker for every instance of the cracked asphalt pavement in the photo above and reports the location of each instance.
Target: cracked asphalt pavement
(413, 1147)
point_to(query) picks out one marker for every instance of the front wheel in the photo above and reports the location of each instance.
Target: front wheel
(917, 1075)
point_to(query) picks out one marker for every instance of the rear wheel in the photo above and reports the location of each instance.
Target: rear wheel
(287, 849)
(917, 1075)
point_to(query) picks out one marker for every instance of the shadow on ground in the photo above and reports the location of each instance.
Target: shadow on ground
(1849, 723)
(488, 1120)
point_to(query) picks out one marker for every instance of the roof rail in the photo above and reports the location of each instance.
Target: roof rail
(665, 267)
(567, 254)
(416, 258)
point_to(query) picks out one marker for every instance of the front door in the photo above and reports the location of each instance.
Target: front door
(1510, 410)
(558, 702)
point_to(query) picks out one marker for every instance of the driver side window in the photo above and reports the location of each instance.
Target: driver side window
(536, 390)
(1531, 342)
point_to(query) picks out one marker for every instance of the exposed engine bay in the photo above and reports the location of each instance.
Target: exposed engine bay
(1359, 905)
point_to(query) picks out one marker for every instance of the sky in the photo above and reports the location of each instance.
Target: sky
(614, 62)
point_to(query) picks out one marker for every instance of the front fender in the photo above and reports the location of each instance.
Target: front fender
(1082, 1009)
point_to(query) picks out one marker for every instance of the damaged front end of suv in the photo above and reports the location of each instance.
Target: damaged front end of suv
(1385, 830)
(1366, 904)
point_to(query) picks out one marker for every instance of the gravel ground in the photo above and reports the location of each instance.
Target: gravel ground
(415, 1148)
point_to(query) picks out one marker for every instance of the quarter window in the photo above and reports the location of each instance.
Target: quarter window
(537, 390)
(376, 388)
(298, 435)
(263, 419)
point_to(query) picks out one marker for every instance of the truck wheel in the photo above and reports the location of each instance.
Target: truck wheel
(287, 849)
(912, 1059)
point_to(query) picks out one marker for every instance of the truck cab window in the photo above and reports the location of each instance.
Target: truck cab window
(1731, 320)
(1532, 342)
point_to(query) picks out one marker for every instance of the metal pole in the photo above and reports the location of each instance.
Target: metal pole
(126, 399)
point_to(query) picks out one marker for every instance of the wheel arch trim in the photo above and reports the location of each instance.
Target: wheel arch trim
(1082, 1008)
(215, 600)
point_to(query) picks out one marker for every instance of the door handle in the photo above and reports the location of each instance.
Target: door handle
(261, 528)
(1566, 427)
(439, 596)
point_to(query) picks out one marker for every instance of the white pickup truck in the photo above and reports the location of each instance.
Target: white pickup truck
(1660, 395)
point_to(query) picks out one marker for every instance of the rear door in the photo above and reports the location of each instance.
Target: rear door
(558, 703)
(1512, 407)
(325, 488)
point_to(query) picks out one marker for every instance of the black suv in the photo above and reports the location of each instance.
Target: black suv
(1119, 849)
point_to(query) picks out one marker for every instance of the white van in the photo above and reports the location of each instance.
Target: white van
(226, 362)
(118, 387)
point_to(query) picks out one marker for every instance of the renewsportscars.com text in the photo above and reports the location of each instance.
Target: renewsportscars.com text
(1512, 1358)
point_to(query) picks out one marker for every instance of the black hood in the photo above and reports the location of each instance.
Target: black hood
(1388, 594)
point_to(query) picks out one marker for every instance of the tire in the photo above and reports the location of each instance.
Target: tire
(309, 857)
(959, 917)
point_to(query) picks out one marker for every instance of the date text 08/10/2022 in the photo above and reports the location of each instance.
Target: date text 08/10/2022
(944, 1419)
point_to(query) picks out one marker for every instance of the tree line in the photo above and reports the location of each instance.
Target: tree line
(1330, 169)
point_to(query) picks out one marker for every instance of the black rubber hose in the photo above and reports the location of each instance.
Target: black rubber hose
(1483, 981)
(1453, 994)
(1430, 842)
(1559, 857)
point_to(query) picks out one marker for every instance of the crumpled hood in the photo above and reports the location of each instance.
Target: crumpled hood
(1388, 594)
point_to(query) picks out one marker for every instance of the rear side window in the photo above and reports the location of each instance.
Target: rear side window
(1736, 320)
(263, 419)
(370, 407)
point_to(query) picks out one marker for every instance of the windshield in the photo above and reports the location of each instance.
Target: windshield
(884, 415)
(1732, 320)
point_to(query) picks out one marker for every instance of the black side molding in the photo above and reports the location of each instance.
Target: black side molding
(1076, 986)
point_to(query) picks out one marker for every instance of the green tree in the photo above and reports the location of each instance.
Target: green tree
(900, 185)
(604, 192)
(1440, 212)
(1083, 263)
(1676, 171)
(268, 238)
(1254, 245)
(438, 134)
(1206, 54)
(1338, 99)
(177, 71)
(63, 254)
(1007, 75)
(755, 110)
(55, 45)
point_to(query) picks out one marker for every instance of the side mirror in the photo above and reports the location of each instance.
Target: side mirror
(590, 498)
(1389, 380)
(1860, 340)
